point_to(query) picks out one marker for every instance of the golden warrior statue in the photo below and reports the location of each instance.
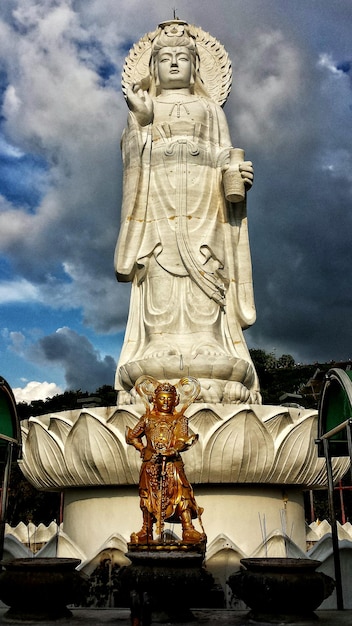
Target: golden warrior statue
(165, 493)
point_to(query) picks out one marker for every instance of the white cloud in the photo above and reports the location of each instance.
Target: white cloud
(20, 290)
(36, 391)
(326, 61)
(267, 82)
(12, 103)
(55, 107)
(7, 149)
(17, 342)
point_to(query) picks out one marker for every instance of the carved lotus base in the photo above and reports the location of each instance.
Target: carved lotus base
(222, 378)
(242, 444)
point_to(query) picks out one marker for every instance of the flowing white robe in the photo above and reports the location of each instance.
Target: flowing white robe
(183, 246)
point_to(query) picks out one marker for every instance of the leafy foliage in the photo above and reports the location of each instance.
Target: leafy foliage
(282, 375)
(104, 396)
(27, 504)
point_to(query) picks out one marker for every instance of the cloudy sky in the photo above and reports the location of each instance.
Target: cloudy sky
(62, 313)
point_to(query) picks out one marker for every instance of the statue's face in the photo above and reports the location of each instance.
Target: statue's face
(165, 401)
(174, 67)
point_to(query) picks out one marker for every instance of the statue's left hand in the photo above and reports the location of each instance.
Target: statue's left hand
(140, 103)
(247, 173)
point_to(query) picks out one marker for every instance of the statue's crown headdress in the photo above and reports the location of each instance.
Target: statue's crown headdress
(173, 33)
(173, 28)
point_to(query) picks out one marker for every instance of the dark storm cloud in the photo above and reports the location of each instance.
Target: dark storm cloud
(83, 365)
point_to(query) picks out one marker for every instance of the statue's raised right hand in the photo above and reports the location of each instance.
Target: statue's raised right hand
(140, 103)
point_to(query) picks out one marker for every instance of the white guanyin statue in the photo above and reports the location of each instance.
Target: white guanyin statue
(183, 241)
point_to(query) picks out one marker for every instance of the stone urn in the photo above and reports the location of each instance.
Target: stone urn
(281, 590)
(39, 589)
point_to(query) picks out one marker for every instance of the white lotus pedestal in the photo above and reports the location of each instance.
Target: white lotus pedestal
(248, 470)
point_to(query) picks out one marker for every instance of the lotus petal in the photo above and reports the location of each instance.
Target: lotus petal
(278, 424)
(96, 453)
(240, 450)
(43, 457)
(60, 425)
(296, 454)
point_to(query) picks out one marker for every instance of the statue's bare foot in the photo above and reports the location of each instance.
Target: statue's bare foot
(236, 393)
(208, 350)
(211, 390)
(158, 351)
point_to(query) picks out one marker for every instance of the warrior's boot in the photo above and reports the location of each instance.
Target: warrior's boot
(189, 533)
(145, 535)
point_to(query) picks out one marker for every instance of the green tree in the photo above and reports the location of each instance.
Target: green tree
(286, 361)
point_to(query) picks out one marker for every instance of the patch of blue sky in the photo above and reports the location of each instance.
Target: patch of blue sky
(106, 344)
(17, 370)
(92, 54)
(106, 70)
(126, 46)
(3, 87)
(23, 180)
(344, 66)
(6, 271)
(26, 324)
(3, 82)
(36, 319)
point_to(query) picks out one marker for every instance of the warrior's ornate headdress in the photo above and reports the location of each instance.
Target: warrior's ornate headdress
(213, 68)
(165, 388)
(187, 389)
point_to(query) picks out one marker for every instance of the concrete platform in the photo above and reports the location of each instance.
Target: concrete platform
(204, 617)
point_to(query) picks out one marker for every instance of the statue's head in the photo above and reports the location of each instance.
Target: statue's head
(210, 75)
(165, 398)
(174, 40)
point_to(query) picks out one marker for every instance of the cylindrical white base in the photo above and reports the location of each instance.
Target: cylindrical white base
(245, 514)
(249, 514)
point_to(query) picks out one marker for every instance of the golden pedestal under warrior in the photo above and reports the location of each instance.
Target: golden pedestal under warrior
(160, 435)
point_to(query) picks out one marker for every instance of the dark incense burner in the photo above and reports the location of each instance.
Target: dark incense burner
(281, 589)
(39, 589)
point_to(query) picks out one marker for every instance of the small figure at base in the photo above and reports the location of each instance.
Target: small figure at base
(164, 490)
